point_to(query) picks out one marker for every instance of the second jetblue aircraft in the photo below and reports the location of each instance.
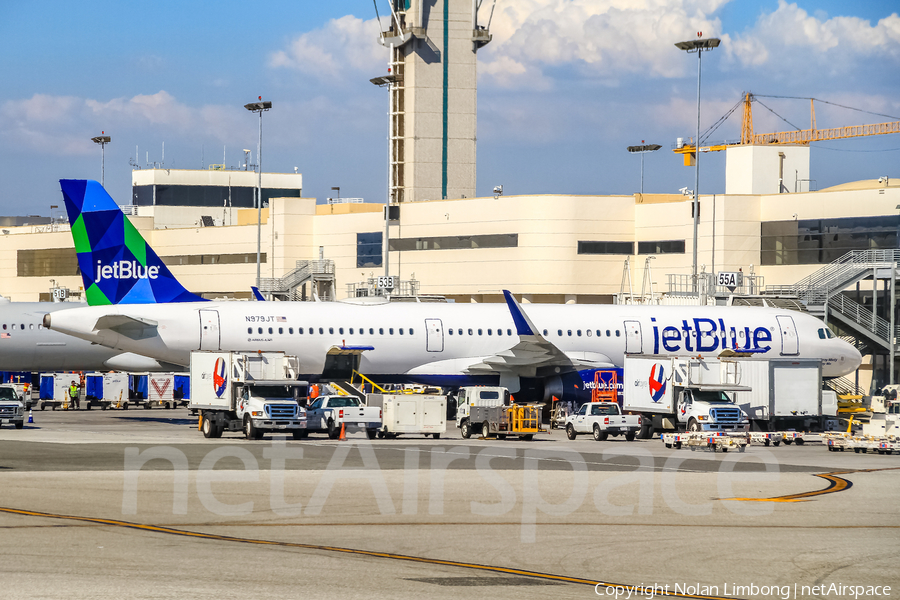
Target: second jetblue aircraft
(138, 306)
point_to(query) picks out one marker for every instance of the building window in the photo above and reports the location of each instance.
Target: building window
(457, 242)
(212, 259)
(818, 241)
(206, 195)
(48, 262)
(605, 247)
(661, 247)
(368, 249)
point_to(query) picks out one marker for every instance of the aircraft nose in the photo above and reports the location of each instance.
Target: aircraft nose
(47, 321)
(853, 358)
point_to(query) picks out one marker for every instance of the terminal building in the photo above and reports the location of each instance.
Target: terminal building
(831, 252)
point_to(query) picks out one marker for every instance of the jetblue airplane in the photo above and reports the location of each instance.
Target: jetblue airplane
(26, 345)
(138, 306)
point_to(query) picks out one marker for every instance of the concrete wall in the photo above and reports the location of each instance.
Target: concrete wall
(756, 169)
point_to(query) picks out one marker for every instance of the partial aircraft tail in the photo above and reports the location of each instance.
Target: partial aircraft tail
(117, 265)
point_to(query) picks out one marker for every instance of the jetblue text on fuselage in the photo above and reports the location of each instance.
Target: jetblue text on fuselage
(126, 269)
(705, 335)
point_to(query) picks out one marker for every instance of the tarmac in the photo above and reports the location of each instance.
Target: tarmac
(138, 504)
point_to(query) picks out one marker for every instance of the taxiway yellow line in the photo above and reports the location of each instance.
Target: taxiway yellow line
(358, 552)
(835, 484)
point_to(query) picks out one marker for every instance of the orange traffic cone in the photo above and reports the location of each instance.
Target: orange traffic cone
(343, 435)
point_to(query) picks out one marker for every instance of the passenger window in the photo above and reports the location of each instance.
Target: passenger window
(479, 332)
(617, 333)
(499, 331)
(22, 326)
(341, 331)
(569, 332)
(401, 331)
(371, 331)
(459, 331)
(489, 332)
(14, 326)
(470, 332)
(545, 333)
(559, 332)
(509, 332)
(351, 331)
(280, 330)
(259, 330)
(411, 332)
(607, 333)
(391, 331)
(300, 330)
(331, 330)
(450, 331)
(270, 331)
(321, 331)
(31, 326)
(588, 332)
(291, 330)
(381, 331)
(249, 329)
(578, 333)
(4, 326)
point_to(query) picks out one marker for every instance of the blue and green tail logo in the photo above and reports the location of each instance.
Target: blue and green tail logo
(117, 265)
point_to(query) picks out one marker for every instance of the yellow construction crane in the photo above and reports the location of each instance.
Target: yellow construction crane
(796, 137)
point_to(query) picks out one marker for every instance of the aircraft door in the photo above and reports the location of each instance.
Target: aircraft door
(434, 335)
(633, 341)
(790, 344)
(209, 330)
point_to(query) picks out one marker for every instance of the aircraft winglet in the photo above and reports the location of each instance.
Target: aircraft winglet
(524, 326)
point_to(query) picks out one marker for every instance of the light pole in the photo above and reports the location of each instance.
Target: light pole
(699, 46)
(338, 190)
(103, 140)
(259, 107)
(642, 150)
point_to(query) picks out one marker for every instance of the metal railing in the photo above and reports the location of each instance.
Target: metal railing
(820, 286)
(305, 270)
(861, 315)
(683, 285)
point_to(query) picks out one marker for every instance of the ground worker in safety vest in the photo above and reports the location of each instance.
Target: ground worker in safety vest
(73, 395)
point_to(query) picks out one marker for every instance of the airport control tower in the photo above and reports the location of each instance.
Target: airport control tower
(432, 89)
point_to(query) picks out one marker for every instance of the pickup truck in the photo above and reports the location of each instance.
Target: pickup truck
(602, 419)
(12, 410)
(326, 413)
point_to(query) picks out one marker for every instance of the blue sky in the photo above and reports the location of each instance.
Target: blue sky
(564, 87)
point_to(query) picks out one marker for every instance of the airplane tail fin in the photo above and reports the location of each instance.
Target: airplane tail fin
(117, 265)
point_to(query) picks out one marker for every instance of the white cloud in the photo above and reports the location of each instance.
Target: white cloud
(791, 37)
(608, 37)
(63, 125)
(342, 45)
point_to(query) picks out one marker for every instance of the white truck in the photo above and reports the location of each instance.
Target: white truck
(602, 419)
(251, 392)
(477, 407)
(785, 393)
(12, 409)
(326, 414)
(410, 413)
(681, 393)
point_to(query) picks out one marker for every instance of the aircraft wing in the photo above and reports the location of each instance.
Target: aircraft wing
(534, 355)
